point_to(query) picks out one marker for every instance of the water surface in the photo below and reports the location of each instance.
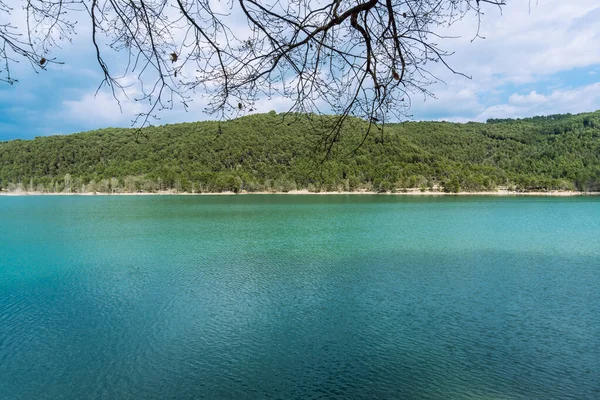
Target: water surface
(350, 297)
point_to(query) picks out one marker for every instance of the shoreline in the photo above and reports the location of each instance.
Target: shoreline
(415, 192)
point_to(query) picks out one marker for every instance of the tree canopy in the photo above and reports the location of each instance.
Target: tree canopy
(259, 153)
(360, 58)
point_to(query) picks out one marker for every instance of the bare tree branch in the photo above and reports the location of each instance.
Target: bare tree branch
(360, 58)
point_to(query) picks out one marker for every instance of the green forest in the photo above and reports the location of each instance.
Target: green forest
(270, 152)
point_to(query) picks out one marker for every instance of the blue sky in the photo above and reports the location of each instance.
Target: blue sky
(537, 62)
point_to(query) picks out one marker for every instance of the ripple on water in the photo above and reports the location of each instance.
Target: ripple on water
(190, 298)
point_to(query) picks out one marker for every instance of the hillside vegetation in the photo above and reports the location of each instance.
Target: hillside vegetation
(265, 153)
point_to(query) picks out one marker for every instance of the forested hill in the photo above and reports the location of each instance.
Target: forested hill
(260, 152)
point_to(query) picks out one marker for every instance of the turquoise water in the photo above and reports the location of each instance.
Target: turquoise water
(299, 297)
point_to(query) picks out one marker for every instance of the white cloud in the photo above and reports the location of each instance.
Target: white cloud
(530, 98)
(99, 110)
(560, 101)
(523, 52)
(522, 45)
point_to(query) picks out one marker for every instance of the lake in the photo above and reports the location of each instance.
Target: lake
(299, 297)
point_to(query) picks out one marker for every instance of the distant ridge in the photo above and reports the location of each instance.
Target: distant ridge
(265, 153)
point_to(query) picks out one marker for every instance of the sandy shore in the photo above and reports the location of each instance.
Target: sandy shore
(409, 192)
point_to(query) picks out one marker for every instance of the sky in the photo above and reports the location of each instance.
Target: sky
(536, 59)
